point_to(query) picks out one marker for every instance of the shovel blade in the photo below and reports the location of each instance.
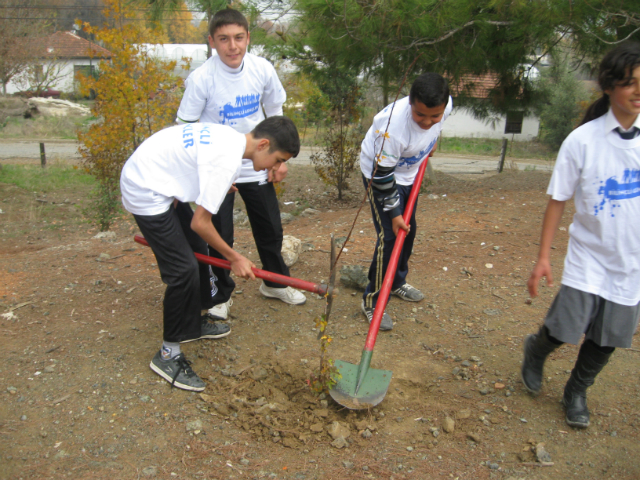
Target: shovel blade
(372, 389)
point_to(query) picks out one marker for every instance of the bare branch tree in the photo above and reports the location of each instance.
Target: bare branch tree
(17, 43)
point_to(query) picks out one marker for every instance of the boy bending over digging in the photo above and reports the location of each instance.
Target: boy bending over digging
(194, 163)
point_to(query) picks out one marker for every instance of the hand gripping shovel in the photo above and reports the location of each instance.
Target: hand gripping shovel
(360, 386)
(263, 274)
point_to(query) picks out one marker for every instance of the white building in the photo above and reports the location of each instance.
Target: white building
(70, 55)
(461, 123)
(197, 53)
(514, 125)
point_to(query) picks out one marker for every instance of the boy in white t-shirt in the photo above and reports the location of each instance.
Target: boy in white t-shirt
(416, 123)
(194, 163)
(232, 88)
(598, 166)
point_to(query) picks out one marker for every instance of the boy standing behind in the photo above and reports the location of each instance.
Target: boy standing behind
(416, 122)
(232, 88)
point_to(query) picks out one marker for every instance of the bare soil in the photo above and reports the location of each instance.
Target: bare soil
(83, 319)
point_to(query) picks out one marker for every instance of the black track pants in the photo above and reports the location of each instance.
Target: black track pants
(188, 283)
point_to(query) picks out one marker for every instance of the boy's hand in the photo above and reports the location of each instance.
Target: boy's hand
(397, 223)
(278, 175)
(241, 266)
(232, 189)
(542, 269)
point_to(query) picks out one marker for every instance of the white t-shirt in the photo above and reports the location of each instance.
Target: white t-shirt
(602, 172)
(217, 93)
(196, 162)
(406, 145)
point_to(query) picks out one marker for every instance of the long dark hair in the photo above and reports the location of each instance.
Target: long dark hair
(616, 69)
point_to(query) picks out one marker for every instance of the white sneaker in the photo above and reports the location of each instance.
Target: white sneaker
(287, 295)
(221, 312)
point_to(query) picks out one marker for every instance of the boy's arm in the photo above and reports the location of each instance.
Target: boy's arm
(550, 223)
(273, 95)
(192, 104)
(383, 184)
(201, 224)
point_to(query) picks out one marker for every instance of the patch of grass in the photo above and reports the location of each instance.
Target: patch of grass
(301, 205)
(53, 178)
(492, 146)
(46, 127)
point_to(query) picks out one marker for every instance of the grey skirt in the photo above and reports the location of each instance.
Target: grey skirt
(608, 324)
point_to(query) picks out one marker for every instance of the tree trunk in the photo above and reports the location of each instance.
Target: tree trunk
(385, 87)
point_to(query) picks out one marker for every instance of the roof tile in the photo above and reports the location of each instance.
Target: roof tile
(69, 45)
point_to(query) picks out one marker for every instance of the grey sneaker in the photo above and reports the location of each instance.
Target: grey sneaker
(408, 293)
(287, 295)
(178, 372)
(386, 323)
(211, 330)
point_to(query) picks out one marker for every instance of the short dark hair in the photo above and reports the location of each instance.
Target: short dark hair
(228, 16)
(431, 89)
(281, 133)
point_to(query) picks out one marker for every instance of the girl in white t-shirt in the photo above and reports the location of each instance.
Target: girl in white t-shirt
(599, 166)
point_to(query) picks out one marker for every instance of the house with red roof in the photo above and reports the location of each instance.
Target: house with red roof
(514, 125)
(69, 55)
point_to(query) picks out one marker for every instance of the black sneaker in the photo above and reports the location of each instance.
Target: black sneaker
(386, 323)
(211, 330)
(178, 372)
(408, 293)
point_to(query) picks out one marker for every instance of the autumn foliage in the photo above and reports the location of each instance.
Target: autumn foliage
(136, 95)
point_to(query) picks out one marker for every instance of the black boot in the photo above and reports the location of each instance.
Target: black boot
(591, 360)
(536, 349)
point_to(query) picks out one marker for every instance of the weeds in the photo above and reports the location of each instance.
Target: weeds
(105, 202)
(491, 147)
(46, 127)
(53, 178)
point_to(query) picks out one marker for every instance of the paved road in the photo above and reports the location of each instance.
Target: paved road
(67, 151)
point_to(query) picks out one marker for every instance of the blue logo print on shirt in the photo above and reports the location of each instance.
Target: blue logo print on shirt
(411, 161)
(245, 105)
(614, 190)
(187, 135)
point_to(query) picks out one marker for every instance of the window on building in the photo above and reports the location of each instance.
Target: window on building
(84, 70)
(514, 122)
(38, 72)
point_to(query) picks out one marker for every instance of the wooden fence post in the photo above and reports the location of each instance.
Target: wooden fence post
(503, 153)
(43, 156)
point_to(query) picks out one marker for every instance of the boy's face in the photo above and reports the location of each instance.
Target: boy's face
(625, 100)
(426, 117)
(230, 41)
(263, 159)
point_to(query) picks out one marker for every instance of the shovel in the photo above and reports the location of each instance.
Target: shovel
(263, 274)
(362, 387)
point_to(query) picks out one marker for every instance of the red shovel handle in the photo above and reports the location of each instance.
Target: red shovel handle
(263, 274)
(383, 296)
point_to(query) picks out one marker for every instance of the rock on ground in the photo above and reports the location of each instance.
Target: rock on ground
(240, 218)
(354, 276)
(51, 107)
(291, 248)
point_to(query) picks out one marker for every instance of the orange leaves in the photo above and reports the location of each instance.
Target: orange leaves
(136, 96)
